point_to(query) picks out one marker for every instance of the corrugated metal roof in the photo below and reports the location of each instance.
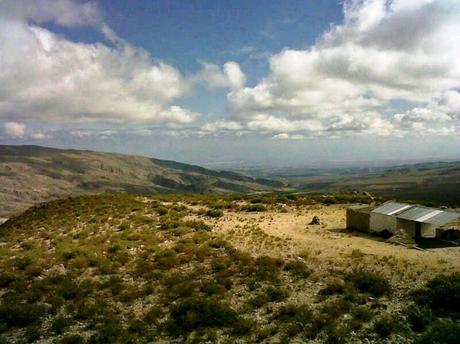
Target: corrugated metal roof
(391, 208)
(429, 215)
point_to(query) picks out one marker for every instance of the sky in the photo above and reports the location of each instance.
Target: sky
(235, 83)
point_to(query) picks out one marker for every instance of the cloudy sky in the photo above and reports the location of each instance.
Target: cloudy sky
(229, 83)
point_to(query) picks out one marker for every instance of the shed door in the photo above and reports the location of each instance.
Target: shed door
(418, 230)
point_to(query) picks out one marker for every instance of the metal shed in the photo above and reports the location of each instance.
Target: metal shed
(419, 221)
(384, 216)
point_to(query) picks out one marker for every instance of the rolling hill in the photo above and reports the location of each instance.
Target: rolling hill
(33, 174)
(436, 183)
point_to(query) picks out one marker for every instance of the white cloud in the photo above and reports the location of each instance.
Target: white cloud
(424, 115)
(221, 125)
(46, 77)
(15, 130)
(384, 51)
(102, 134)
(285, 136)
(39, 136)
(229, 75)
(63, 12)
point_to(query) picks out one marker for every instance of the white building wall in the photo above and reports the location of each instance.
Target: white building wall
(379, 222)
(428, 230)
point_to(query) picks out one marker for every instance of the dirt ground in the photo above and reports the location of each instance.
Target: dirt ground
(288, 234)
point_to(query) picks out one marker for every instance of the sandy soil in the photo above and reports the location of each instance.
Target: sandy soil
(289, 234)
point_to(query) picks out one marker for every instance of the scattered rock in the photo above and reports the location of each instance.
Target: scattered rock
(315, 220)
(368, 194)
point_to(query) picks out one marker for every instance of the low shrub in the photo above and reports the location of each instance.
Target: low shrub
(242, 326)
(214, 213)
(72, 339)
(299, 315)
(297, 268)
(419, 317)
(20, 314)
(333, 286)
(195, 313)
(370, 282)
(362, 313)
(338, 334)
(258, 300)
(198, 226)
(441, 293)
(212, 288)
(386, 325)
(442, 332)
(276, 294)
(267, 268)
(166, 259)
(255, 207)
(59, 324)
(124, 226)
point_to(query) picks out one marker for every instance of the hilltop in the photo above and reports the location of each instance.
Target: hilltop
(33, 174)
(223, 269)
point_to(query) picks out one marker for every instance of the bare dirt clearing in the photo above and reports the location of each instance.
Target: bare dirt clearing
(287, 234)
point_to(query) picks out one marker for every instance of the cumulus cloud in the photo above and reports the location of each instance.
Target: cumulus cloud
(15, 130)
(39, 135)
(46, 77)
(18, 130)
(64, 12)
(348, 81)
(229, 75)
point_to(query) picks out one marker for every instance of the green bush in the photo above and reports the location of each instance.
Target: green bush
(124, 226)
(108, 331)
(255, 207)
(333, 286)
(198, 226)
(162, 210)
(338, 334)
(72, 339)
(362, 313)
(242, 326)
(442, 293)
(297, 268)
(441, 332)
(166, 259)
(276, 294)
(20, 314)
(212, 288)
(268, 268)
(214, 213)
(386, 325)
(419, 317)
(370, 282)
(258, 300)
(59, 324)
(297, 316)
(196, 313)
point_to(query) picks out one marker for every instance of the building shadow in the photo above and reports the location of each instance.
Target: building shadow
(360, 234)
(436, 243)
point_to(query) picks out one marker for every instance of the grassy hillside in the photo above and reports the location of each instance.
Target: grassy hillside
(131, 269)
(32, 174)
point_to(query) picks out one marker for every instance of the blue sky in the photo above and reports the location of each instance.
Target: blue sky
(231, 83)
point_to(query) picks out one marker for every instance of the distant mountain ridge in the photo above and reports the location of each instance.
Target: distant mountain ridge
(33, 174)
